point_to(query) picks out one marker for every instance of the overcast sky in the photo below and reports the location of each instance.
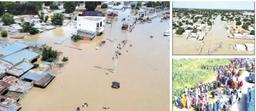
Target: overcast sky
(244, 5)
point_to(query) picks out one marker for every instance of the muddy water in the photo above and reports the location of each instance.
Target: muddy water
(216, 42)
(143, 71)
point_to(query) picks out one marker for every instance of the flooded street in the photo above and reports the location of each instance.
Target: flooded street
(142, 70)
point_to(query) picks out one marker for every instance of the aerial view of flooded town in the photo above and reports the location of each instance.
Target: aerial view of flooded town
(213, 84)
(213, 28)
(77, 56)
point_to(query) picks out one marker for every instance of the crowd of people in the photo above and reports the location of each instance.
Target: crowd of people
(220, 94)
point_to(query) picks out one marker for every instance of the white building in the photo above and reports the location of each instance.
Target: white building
(91, 24)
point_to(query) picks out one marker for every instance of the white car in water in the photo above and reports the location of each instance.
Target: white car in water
(167, 32)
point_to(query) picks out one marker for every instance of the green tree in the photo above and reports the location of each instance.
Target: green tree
(2, 8)
(194, 30)
(245, 26)
(70, 7)
(29, 28)
(57, 19)
(41, 16)
(138, 5)
(46, 18)
(54, 7)
(33, 31)
(18, 8)
(237, 19)
(252, 32)
(209, 22)
(222, 18)
(104, 6)
(48, 3)
(7, 19)
(48, 54)
(180, 31)
(238, 23)
(133, 6)
(91, 6)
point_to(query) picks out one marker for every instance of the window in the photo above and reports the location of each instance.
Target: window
(97, 24)
(100, 24)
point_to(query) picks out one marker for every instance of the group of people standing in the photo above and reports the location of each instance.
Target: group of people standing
(220, 94)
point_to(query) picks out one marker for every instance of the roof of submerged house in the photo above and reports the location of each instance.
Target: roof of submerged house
(32, 76)
(3, 86)
(40, 80)
(12, 48)
(8, 104)
(20, 56)
(20, 69)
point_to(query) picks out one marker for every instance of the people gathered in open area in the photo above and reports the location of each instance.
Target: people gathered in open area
(218, 95)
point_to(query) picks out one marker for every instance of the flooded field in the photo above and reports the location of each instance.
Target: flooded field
(142, 70)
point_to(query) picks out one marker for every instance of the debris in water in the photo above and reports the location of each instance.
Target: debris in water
(115, 85)
(78, 109)
(85, 104)
(105, 108)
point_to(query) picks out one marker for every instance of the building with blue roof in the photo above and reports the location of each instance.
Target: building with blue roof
(32, 76)
(24, 55)
(39, 79)
(12, 48)
(20, 69)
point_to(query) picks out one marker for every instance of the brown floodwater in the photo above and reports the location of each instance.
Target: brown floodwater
(216, 42)
(142, 70)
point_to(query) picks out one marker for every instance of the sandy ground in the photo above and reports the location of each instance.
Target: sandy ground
(216, 42)
(143, 71)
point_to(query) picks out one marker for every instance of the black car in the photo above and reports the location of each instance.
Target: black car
(251, 78)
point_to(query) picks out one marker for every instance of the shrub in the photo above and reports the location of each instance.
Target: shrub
(29, 28)
(36, 66)
(194, 30)
(76, 38)
(104, 6)
(238, 23)
(180, 31)
(4, 34)
(46, 18)
(209, 22)
(49, 54)
(64, 59)
(245, 26)
(252, 32)
(91, 5)
(7, 19)
(69, 7)
(57, 19)
(54, 7)
(33, 31)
